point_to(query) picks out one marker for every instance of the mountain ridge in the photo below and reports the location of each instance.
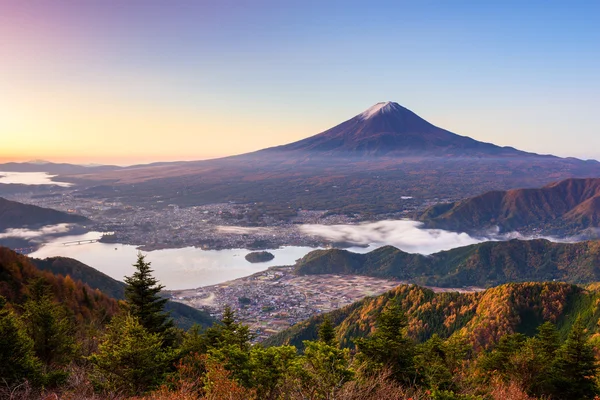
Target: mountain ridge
(18, 215)
(479, 265)
(564, 207)
(481, 318)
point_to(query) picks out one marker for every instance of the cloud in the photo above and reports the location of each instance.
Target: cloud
(405, 235)
(24, 233)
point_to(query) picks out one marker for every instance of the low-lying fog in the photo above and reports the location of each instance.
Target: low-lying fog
(409, 236)
(405, 235)
(36, 235)
(30, 178)
(193, 267)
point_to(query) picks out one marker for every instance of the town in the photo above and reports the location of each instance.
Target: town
(275, 299)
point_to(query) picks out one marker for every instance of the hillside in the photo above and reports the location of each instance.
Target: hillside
(483, 265)
(481, 317)
(87, 304)
(184, 315)
(373, 159)
(18, 215)
(562, 207)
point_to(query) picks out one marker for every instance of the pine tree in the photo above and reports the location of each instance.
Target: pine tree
(576, 366)
(544, 348)
(327, 332)
(389, 347)
(324, 369)
(50, 326)
(129, 358)
(145, 303)
(547, 340)
(17, 358)
(434, 365)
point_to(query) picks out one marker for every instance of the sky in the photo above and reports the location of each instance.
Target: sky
(137, 81)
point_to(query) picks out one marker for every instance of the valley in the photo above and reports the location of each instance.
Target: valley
(271, 301)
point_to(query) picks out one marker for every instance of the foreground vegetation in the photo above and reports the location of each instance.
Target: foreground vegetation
(135, 351)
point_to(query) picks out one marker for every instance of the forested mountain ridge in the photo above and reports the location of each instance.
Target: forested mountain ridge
(183, 315)
(565, 207)
(17, 273)
(484, 264)
(17, 215)
(480, 317)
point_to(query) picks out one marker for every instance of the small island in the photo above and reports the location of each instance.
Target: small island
(259, 257)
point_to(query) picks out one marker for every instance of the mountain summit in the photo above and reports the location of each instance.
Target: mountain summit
(365, 164)
(388, 129)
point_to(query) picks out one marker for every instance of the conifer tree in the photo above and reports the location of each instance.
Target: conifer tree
(50, 326)
(145, 303)
(389, 347)
(129, 358)
(327, 332)
(229, 344)
(547, 340)
(576, 366)
(17, 358)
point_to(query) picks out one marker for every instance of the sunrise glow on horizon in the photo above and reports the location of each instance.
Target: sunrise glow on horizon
(141, 81)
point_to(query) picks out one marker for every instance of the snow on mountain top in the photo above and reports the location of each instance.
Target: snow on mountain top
(387, 106)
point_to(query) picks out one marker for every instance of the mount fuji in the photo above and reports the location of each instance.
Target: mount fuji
(371, 162)
(388, 129)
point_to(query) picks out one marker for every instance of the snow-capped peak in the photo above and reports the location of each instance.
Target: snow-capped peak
(386, 106)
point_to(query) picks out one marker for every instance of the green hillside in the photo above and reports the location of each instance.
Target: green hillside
(482, 317)
(484, 265)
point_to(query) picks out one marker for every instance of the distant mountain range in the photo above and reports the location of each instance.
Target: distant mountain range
(365, 164)
(19, 215)
(483, 265)
(481, 318)
(54, 168)
(565, 207)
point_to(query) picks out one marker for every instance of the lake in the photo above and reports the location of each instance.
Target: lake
(30, 178)
(192, 267)
(184, 268)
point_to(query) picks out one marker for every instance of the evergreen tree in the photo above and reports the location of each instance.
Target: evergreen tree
(228, 332)
(547, 340)
(498, 361)
(576, 366)
(129, 358)
(327, 332)
(17, 358)
(145, 303)
(437, 361)
(50, 326)
(271, 368)
(389, 347)
(229, 343)
(323, 370)
(541, 362)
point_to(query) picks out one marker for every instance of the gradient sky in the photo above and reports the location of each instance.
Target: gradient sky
(132, 81)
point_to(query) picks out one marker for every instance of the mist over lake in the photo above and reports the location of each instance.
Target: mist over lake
(191, 267)
(30, 178)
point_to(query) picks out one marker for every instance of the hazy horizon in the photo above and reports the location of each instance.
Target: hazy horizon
(147, 81)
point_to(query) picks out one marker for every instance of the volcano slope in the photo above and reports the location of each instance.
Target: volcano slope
(365, 164)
